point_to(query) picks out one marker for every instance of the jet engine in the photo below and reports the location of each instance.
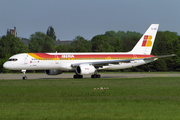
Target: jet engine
(53, 72)
(85, 69)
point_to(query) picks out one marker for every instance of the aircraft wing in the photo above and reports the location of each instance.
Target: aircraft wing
(104, 63)
(107, 62)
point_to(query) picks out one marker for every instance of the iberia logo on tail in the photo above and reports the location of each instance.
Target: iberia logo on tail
(147, 41)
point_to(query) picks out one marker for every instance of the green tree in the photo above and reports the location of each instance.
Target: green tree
(2, 61)
(79, 44)
(40, 42)
(165, 43)
(176, 60)
(127, 40)
(50, 32)
(100, 44)
(10, 45)
(160, 65)
(115, 43)
(110, 33)
(63, 48)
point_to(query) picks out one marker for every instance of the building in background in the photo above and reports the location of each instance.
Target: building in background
(12, 31)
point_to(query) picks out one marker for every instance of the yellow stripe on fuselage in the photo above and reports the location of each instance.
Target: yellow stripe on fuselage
(34, 55)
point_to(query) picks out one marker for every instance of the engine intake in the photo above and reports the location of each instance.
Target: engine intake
(53, 72)
(85, 69)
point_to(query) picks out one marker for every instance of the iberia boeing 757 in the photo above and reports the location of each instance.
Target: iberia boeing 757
(87, 63)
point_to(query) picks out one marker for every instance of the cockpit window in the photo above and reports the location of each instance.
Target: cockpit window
(13, 59)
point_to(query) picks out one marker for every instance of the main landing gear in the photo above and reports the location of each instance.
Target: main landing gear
(24, 74)
(92, 76)
(96, 76)
(78, 76)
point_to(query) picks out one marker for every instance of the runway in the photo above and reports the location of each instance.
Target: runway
(103, 75)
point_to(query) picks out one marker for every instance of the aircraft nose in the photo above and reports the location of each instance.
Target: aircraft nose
(6, 65)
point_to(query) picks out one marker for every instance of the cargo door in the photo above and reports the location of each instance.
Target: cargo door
(26, 59)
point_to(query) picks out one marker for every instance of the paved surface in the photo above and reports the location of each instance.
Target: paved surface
(103, 75)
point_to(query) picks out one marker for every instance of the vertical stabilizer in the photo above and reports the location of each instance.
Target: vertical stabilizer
(145, 44)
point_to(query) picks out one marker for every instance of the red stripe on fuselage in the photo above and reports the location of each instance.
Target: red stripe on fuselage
(46, 55)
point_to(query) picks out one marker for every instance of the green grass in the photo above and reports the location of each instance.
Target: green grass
(156, 98)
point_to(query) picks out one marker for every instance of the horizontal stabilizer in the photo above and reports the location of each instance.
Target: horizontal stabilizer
(161, 56)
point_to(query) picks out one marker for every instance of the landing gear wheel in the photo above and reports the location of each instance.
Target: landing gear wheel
(24, 74)
(78, 76)
(96, 76)
(24, 77)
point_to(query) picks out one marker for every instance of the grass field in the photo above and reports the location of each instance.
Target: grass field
(153, 98)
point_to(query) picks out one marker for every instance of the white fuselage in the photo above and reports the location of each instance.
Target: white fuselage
(63, 61)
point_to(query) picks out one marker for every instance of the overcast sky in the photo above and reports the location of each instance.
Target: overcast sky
(87, 18)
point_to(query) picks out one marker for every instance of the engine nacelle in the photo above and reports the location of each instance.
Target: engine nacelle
(85, 69)
(53, 72)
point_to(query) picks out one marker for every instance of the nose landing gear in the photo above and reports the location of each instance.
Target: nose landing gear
(24, 74)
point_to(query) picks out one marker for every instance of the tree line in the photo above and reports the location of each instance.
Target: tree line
(166, 43)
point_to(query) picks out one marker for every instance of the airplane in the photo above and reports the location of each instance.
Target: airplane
(87, 63)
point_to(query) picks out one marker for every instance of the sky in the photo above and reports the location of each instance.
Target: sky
(87, 18)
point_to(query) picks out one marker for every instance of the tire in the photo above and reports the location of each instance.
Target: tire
(78, 76)
(98, 76)
(92, 76)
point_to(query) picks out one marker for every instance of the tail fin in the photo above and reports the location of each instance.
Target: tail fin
(145, 44)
